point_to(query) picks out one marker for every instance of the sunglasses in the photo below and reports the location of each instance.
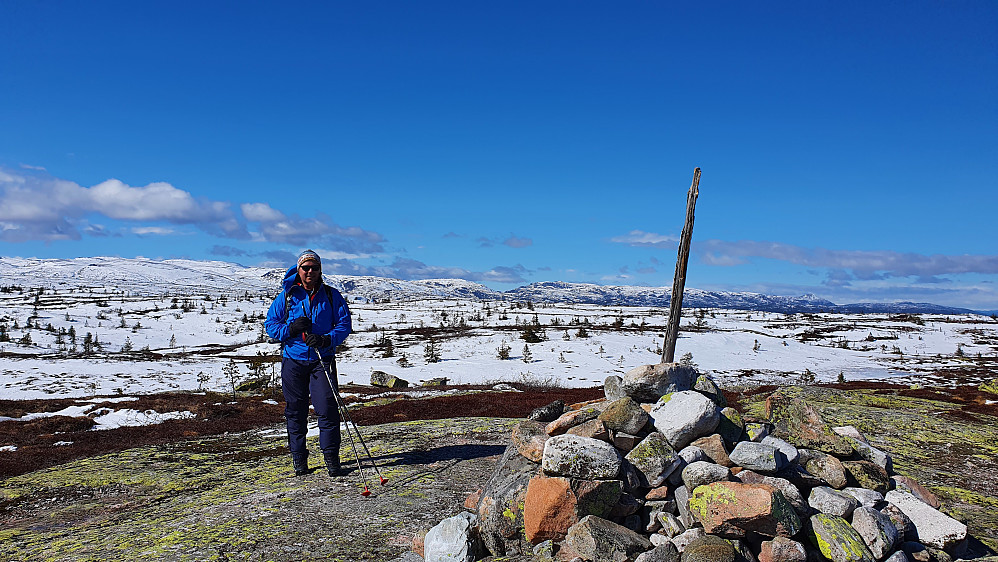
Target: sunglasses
(307, 268)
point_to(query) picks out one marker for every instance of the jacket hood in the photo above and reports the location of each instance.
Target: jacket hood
(290, 277)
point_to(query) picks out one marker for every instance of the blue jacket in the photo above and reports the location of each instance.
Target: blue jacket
(330, 317)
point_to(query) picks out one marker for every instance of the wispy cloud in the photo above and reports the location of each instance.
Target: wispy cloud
(153, 230)
(642, 238)
(228, 251)
(515, 241)
(409, 269)
(843, 265)
(859, 263)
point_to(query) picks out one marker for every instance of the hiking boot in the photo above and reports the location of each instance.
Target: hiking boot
(300, 463)
(333, 463)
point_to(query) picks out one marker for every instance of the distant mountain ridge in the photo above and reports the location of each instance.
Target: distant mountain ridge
(143, 275)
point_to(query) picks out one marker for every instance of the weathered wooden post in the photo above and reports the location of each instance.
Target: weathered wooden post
(679, 280)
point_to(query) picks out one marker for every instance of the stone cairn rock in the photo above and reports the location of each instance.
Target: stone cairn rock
(661, 470)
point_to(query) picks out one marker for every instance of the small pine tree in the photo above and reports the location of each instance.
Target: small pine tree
(231, 372)
(404, 361)
(566, 336)
(530, 336)
(583, 333)
(173, 341)
(842, 377)
(756, 347)
(527, 356)
(502, 352)
(72, 335)
(389, 350)
(687, 360)
(430, 352)
(127, 346)
(561, 358)
(25, 339)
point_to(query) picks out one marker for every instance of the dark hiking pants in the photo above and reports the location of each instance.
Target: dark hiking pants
(299, 379)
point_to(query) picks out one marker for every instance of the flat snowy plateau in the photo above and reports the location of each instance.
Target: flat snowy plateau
(173, 325)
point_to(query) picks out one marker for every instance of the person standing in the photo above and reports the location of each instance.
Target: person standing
(310, 319)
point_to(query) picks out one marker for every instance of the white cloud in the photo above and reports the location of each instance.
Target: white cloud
(40, 207)
(642, 238)
(261, 212)
(155, 230)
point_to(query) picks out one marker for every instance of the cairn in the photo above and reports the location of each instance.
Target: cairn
(661, 470)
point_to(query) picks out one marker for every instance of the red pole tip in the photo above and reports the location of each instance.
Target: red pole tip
(366, 492)
(384, 481)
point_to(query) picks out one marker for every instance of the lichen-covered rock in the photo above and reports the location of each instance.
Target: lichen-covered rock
(866, 474)
(451, 540)
(684, 416)
(701, 472)
(932, 527)
(595, 538)
(870, 453)
(706, 386)
(381, 378)
(709, 548)
(580, 457)
(879, 534)
(654, 459)
(782, 549)
(529, 438)
(826, 467)
(548, 413)
(573, 418)
(756, 431)
(671, 525)
(624, 415)
(729, 509)
(799, 423)
(837, 540)
(759, 457)
(832, 502)
(990, 386)
(790, 492)
(649, 382)
(500, 508)
(785, 447)
(731, 426)
(554, 504)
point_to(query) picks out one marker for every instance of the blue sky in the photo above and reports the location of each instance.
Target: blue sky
(848, 149)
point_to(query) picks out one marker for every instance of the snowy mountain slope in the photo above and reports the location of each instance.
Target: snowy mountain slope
(146, 276)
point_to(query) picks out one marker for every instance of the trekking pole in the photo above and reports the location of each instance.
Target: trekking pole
(339, 404)
(349, 422)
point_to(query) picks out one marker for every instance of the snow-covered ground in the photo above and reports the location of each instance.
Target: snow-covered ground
(192, 335)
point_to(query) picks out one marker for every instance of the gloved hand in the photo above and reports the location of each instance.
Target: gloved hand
(317, 341)
(299, 326)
